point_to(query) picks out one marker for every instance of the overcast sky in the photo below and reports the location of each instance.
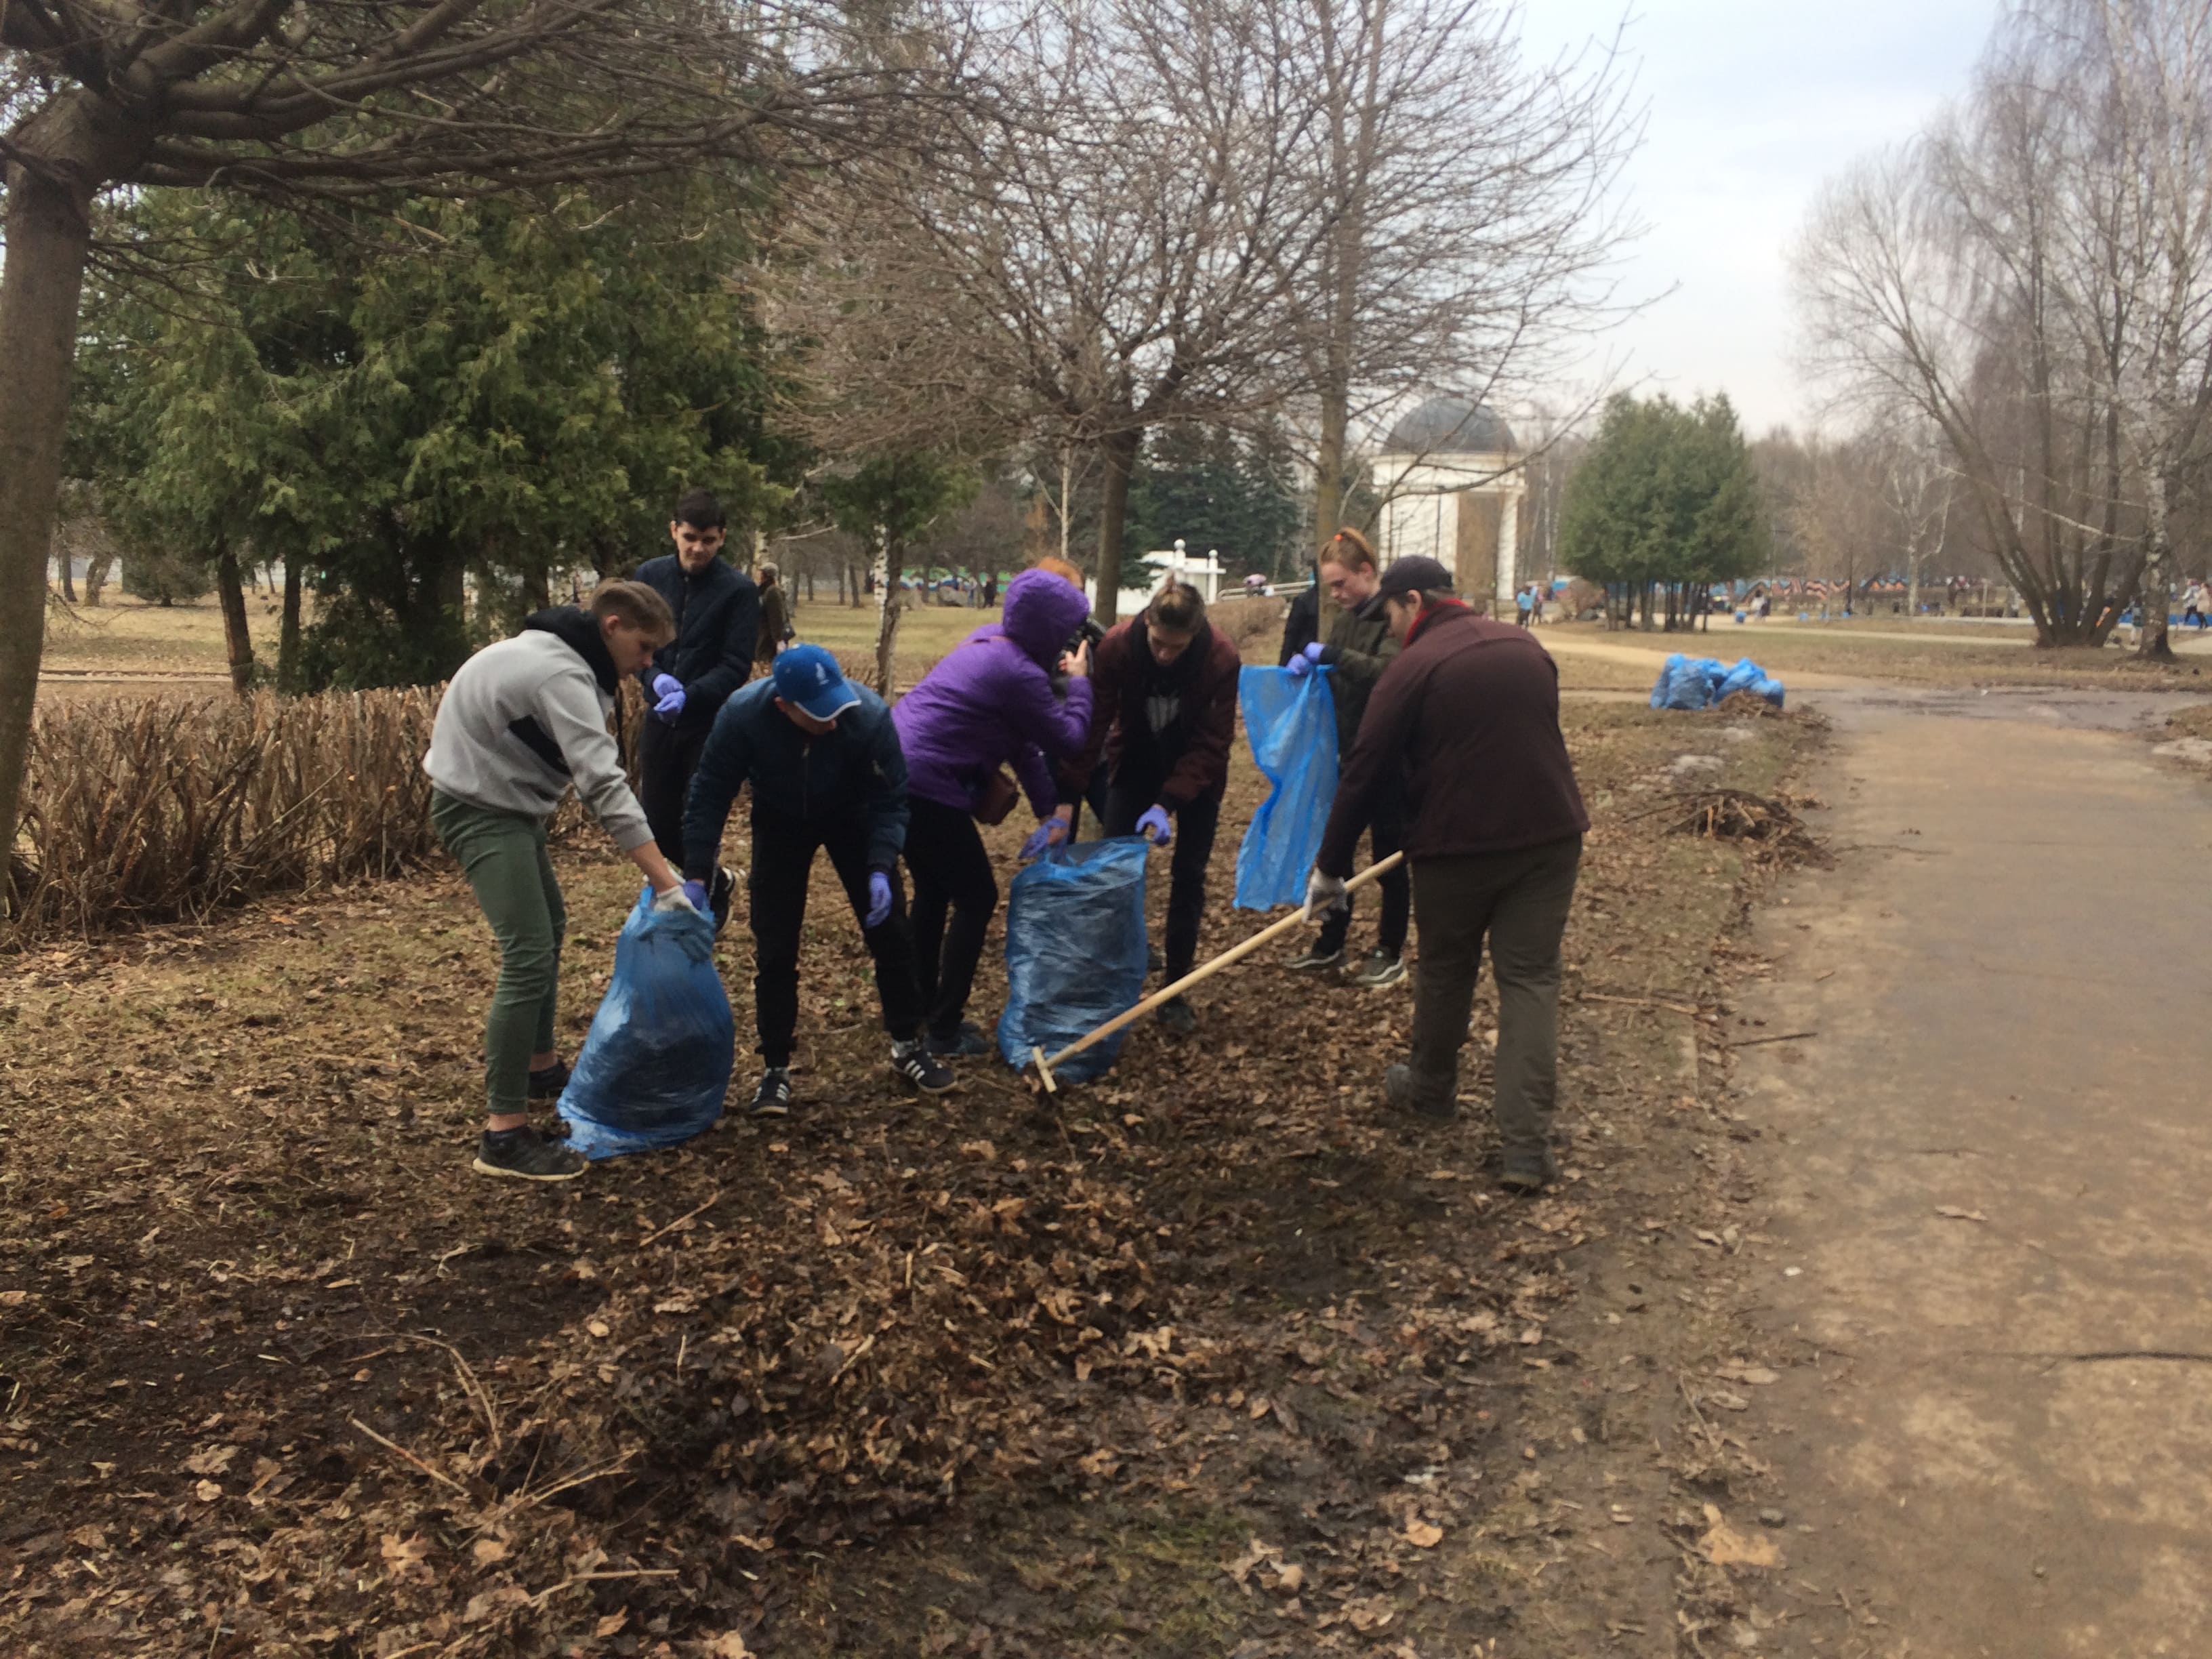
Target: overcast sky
(1752, 104)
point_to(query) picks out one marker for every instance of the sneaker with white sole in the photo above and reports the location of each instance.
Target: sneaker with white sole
(523, 1154)
(773, 1097)
(920, 1068)
(1315, 960)
(1382, 968)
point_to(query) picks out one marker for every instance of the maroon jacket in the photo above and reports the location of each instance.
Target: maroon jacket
(1471, 707)
(1178, 720)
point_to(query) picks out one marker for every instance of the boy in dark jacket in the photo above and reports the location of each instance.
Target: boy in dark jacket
(1471, 708)
(823, 760)
(1164, 714)
(1358, 646)
(717, 610)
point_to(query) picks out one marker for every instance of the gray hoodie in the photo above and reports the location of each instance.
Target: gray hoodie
(524, 719)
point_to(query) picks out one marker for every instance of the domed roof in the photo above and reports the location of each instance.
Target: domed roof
(1450, 426)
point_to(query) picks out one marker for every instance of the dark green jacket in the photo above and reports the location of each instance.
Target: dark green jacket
(1359, 647)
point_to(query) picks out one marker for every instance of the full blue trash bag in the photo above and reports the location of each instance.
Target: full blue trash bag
(1660, 686)
(1291, 722)
(657, 1062)
(1686, 683)
(1075, 952)
(1768, 688)
(1745, 675)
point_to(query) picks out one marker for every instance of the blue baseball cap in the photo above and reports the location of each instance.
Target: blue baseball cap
(807, 676)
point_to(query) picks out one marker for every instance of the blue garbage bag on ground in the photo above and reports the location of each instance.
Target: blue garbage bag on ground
(1291, 719)
(1768, 688)
(1686, 683)
(1075, 952)
(1741, 677)
(656, 1063)
(1659, 687)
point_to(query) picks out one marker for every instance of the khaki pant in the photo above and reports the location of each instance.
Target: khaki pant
(1519, 901)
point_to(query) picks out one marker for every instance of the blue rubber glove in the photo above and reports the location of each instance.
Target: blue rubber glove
(1049, 832)
(1155, 824)
(1307, 660)
(697, 892)
(879, 900)
(669, 690)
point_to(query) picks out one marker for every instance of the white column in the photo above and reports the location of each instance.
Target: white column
(1508, 546)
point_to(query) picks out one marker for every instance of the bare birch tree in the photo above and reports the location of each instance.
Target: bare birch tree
(284, 100)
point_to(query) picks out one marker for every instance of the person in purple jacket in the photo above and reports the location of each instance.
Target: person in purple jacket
(989, 703)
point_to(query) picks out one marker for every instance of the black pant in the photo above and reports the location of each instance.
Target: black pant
(1386, 834)
(945, 856)
(667, 756)
(1133, 791)
(783, 860)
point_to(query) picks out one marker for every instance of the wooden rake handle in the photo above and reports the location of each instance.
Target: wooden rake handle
(1234, 954)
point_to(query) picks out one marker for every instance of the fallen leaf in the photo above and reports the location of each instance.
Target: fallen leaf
(210, 1460)
(407, 1557)
(1953, 1212)
(488, 1550)
(1291, 1581)
(207, 1492)
(613, 1622)
(728, 1645)
(1422, 1533)
(598, 1327)
(1756, 1376)
(89, 1537)
(1724, 1546)
(14, 1298)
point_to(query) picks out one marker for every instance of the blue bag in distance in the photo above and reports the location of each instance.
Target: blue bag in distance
(1291, 719)
(1075, 952)
(657, 1060)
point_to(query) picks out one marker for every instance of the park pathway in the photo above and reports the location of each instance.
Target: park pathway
(1987, 1276)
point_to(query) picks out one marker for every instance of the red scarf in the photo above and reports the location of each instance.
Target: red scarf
(1436, 609)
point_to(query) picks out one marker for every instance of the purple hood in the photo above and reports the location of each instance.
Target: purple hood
(991, 702)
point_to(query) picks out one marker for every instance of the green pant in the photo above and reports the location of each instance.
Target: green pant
(1520, 900)
(503, 854)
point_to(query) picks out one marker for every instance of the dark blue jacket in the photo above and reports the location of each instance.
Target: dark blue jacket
(855, 772)
(717, 619)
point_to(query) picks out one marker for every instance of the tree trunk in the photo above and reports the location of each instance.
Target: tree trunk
(287, 632)
(1120, 454)
(49, 235)
(68, 578)
(95, 576)
(537, 586)
(2157, 591)
(887, 613)
(237, 639)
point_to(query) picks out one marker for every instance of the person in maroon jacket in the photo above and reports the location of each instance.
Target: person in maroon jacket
(1471, 707)
(1163, 715)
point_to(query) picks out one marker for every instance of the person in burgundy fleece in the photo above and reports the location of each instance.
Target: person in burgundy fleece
(1164, 713)
(990, 702)
(1471, 707)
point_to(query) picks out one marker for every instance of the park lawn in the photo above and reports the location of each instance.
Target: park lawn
(284, 1374)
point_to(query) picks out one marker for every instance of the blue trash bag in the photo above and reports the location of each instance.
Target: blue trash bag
(1741, 677)
(657, 1060)
(1075, 952)
(1291, 722)
(1660, 686)
(1688, 683)
(1768, 688)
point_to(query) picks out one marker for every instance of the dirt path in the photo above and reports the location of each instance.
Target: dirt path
(1985, 1277)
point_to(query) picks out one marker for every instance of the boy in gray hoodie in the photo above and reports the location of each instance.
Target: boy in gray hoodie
(521, 722)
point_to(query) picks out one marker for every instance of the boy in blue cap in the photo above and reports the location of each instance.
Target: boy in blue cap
(826, 770)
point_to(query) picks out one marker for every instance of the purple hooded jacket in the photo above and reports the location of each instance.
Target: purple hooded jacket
(991, 702)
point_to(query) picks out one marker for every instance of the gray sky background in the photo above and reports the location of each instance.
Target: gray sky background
(1752, 104)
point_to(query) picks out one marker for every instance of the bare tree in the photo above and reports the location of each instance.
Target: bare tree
(1465, 191)
(284, 100)
(1112, 251)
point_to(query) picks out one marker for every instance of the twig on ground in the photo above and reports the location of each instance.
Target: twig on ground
(393, 1445)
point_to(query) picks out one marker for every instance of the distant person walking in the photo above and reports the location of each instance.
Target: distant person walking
(776, 629)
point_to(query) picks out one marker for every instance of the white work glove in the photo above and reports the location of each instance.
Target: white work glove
(1324, 894)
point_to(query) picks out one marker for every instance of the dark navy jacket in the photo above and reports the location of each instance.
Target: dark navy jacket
(852, 773)
(717, 619)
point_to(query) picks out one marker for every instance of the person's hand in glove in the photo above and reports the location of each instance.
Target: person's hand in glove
(1307, 660)
(669, 690)
(1324, 894)
(1155, 824)
(1049, 832)
(879, 900)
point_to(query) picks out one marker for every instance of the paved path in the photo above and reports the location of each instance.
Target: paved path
(1999, 1427)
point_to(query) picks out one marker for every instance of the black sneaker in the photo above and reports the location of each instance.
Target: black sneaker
(922, 1070)
(548, 1083)
(1177, 1016)
(524, 1155)
(1315, 960)
(968, 1040)
(1424, 1105)
(1382, 968)
(773, 1097)
(1528, 1172)
(721, 892)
